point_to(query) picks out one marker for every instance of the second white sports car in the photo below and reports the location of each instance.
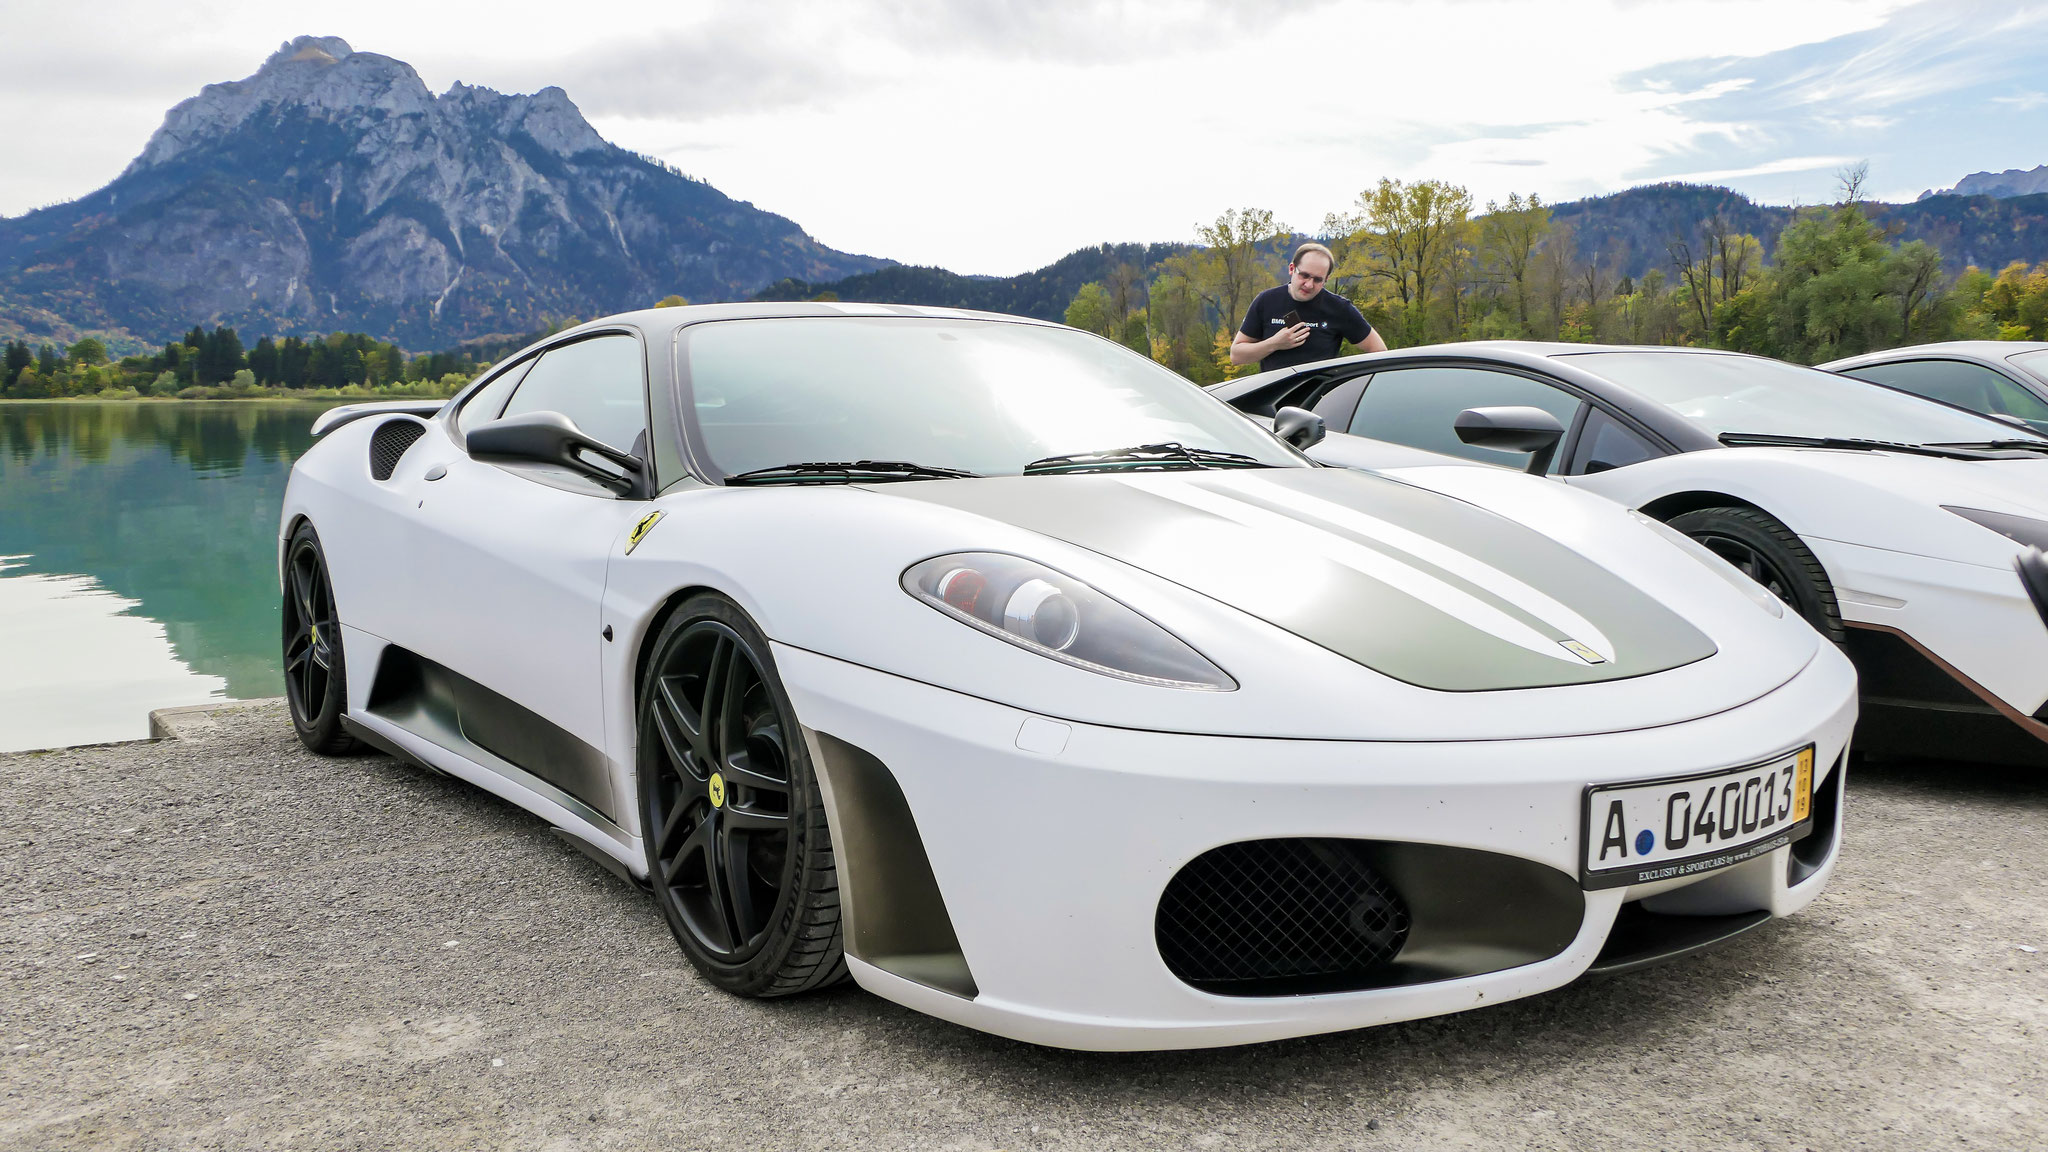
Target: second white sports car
(1907, 530)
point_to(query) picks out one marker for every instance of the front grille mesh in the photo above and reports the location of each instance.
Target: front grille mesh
(1280, 917)
(389, 442)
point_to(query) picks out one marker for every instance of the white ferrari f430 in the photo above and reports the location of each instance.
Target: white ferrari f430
(993, 666)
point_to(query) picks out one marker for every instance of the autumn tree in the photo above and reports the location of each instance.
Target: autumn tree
(1412, 238)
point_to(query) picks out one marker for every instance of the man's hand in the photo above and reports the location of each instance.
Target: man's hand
(1245, 350)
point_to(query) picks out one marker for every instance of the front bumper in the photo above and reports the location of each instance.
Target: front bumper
(1051, 843)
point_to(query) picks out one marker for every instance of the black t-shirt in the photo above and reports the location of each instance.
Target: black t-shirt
(1331, 319)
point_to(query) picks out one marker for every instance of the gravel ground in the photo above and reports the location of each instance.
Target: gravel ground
(220, 941)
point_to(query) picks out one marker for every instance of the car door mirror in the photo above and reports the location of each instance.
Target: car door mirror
(1299, 427)
(1512, 428)
(552, 438)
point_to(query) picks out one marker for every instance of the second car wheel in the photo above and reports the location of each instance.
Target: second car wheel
(1766, 551)
(739, 853)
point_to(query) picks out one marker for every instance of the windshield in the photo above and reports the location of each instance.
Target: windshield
(982, 396)
(1724, 393)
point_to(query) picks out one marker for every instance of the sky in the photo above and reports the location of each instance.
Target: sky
(994, 136)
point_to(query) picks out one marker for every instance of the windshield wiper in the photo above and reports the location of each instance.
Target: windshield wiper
(1170, 456)
(1945, 451)
(845, 472)
(1996, 445)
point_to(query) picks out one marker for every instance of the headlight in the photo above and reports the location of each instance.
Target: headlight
(1757, 593)
(1057, 616)
(2029, 532)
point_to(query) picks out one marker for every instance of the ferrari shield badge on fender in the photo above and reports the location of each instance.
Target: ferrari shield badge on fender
(641, 530)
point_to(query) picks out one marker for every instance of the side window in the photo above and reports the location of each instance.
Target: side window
(1415, 406)
(598, 383)
(1606, 444)
(1337, 405)
(489, 400)
(1965, 385)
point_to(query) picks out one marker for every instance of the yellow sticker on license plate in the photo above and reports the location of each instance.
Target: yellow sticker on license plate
(1802, 793)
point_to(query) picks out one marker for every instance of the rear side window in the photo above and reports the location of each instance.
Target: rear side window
(597, 383)
(1957, 382)
(1415, 406)
(1606, 444)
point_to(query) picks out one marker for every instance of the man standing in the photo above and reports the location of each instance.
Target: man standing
(1298, 322)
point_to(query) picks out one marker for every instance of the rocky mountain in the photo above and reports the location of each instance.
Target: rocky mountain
(2011, 182)
(331, 190)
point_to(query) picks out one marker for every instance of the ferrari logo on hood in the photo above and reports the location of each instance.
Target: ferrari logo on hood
(1583, 652)
(641, 530)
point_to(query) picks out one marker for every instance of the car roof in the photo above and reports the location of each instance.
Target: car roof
(652, 320)
(1965, 349)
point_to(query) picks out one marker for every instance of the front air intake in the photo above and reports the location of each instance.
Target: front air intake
(389, 442)
(1281, 917)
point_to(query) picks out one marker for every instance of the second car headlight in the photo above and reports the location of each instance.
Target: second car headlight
(2025, 530)
(1055, 615)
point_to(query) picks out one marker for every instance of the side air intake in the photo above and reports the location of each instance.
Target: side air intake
(389, 442)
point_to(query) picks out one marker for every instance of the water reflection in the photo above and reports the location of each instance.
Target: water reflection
(160, 514)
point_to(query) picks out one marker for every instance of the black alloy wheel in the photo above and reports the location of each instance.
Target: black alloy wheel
(1771, 554)
(739, 853)
(315, 681)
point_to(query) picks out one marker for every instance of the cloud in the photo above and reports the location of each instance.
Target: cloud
(2023, 101)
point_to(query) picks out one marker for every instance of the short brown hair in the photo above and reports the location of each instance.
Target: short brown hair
(1312, 246)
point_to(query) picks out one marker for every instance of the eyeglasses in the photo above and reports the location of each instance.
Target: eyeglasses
(1308, 277)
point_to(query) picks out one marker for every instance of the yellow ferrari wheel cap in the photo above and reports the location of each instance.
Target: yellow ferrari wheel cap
(717, 790)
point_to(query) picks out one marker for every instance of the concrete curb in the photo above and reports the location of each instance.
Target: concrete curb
(194, 719)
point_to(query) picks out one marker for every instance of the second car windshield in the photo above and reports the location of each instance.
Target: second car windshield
(985, 397)
(1727, 393)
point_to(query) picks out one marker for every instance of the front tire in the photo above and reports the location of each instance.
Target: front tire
(739, 853)
(1771, 554)
(315, 679)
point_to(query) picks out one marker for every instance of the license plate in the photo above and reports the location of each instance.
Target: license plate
(1661, 829)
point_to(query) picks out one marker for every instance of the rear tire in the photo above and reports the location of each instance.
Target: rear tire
(315, 678)
(1766, 551)
(739, 853)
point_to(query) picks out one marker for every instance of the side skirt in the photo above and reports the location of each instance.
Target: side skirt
(1914, 703)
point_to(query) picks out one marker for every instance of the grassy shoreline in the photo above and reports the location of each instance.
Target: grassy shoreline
(354, 392)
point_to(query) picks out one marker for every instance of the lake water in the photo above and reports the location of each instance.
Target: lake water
(138, 561)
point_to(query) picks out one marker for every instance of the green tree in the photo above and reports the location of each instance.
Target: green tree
(1180, 333)
(1092, 310)
(1234, 263)
(1414, 242)
(671, 302)
(1509, 236)
(88, 350)
(1832, 286)
(165, 384)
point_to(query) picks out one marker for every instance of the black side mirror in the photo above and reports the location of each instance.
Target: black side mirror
(1299, 427)
(1513, 428)
(552, 438)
